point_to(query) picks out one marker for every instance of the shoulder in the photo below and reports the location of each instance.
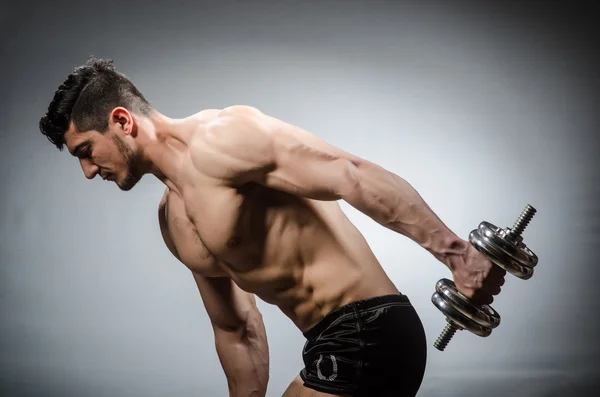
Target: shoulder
(236, 146)
(211, 118)
(162, 211)
(163, 223)
(169, 203)
(236, 132)
(162, 204)
(239, 110)
(237, 118)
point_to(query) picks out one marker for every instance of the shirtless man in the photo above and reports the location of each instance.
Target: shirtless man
(250, 207)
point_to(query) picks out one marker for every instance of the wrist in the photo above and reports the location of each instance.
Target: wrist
(448, 248)
(247, 391)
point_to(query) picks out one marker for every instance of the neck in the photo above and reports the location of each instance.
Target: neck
(163, 144)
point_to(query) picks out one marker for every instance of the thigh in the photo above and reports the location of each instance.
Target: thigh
(297, 389)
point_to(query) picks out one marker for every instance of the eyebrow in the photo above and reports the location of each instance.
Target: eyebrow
(76, 151)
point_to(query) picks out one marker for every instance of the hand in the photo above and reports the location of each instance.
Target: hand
(475, 276)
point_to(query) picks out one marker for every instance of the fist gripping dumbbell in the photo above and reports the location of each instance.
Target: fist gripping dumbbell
(503, 247)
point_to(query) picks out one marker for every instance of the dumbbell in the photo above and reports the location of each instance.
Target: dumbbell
(503, 247)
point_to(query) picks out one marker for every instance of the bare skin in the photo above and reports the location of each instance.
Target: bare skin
(251, 209)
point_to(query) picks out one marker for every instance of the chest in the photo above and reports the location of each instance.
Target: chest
(231, 222)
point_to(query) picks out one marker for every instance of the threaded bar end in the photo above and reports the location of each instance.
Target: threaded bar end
(523, 220)
(445, 337)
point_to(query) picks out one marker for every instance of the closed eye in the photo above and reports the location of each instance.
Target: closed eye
(82, 151)
(84, 154)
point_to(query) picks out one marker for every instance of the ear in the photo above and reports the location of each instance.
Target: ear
(122, 119)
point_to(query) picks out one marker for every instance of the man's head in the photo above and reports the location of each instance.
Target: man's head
(92, 113)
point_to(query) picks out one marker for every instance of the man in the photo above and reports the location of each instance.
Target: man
(250, 208)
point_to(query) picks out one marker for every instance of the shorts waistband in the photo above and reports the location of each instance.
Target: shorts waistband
(353, 307)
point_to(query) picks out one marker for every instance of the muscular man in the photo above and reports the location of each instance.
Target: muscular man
(250, 207)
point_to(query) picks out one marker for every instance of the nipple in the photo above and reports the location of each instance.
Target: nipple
(234, 241)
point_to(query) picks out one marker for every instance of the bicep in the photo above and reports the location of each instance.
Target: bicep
(228, 306)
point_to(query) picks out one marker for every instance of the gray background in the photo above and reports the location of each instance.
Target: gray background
(483, 107)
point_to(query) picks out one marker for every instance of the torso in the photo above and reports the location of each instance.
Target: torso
(302, 255)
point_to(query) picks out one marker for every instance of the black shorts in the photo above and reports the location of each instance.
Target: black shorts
(372, 347)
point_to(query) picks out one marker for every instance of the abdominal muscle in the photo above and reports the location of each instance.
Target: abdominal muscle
(307, 258)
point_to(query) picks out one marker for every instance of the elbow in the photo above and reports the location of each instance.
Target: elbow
(251, 327)
(369, 190)
(254, 327)
(348, 187)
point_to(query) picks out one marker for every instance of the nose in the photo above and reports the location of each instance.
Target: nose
(89, 169)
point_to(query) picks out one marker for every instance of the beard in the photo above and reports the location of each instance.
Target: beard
(133, 174)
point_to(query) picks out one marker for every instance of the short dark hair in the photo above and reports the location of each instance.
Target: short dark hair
(87, 96)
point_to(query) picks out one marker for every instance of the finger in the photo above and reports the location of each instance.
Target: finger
(482, 298)
(496, 275)
(492, 289)
(497, 272)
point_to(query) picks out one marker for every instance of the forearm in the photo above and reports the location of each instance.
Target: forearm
(394, 203)
(244, 356)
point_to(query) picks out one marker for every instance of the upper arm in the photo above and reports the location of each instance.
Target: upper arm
(253, 147)
(228, 307)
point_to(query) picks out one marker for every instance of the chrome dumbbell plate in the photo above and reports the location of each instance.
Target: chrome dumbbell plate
(480, 319)
(510, 254)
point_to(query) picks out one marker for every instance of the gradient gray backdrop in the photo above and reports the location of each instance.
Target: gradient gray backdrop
(483, 107)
